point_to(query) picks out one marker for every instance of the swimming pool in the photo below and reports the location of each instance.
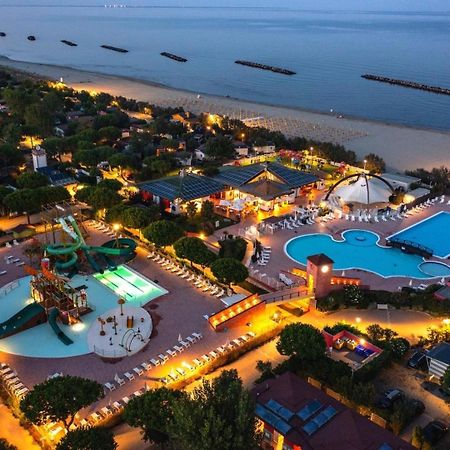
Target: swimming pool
(130, 285)
(432, 233)
(359, 249)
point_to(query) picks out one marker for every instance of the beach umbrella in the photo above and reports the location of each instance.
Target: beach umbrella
(180, 338)
(410, 282)
(443, 280)
(343, 273)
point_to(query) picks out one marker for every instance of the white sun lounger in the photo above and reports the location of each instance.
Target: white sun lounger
(138, 371)
(118, 380)
(129, 375)
(155, 362)
(109, 386)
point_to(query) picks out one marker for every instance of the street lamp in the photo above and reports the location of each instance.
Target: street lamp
(312, 150)
(365, 162)
(116, 228)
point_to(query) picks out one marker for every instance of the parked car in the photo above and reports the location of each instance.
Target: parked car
(418, 406)
(389, 397)
(418, 360)
(435, 431)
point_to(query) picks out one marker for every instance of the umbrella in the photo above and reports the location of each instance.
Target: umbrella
(443, 280)
(343, 273)
(180, 338)
(410, 282)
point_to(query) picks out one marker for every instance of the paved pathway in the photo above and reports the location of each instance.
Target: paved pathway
(13, 432)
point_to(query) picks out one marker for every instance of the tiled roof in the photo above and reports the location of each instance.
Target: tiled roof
(266, 189)
(187, 187)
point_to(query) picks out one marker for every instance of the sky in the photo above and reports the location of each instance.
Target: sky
(363, 5)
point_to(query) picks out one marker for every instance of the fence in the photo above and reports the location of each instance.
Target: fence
(286, 294)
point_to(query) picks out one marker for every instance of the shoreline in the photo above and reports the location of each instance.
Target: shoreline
(401, 146)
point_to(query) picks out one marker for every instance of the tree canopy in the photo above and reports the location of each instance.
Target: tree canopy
(98, 197)
(5, 445)
(229, 270)
(303, 341)
(233, 248)
(153, 413)
(219, 147)
(163, 233)
(88, 438)
(31, 180)
(59, 399)
(194, 250)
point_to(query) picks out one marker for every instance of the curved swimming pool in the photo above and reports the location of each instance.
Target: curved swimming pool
(359, 249)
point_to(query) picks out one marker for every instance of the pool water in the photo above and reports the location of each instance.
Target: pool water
(359, 249)
(130, 285)
(432, 233)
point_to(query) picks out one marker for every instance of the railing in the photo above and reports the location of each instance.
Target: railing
(397, 242)
(287, 294)
(116, 353)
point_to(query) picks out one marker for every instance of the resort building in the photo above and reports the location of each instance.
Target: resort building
(438, 360)
(295, 415)
(256, 186)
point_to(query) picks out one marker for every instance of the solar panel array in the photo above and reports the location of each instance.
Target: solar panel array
(309, 410)
(320, 420)
(237, 176)
(272, 419)
(282, 411)
(294, 178)
(187, 188)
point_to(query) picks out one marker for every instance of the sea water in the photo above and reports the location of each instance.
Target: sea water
(329, 50)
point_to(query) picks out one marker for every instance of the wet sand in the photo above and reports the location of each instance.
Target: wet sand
(401, 147)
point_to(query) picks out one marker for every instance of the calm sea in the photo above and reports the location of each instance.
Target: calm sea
(328, 50)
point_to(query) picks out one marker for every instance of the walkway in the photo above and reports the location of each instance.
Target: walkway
(13, 432)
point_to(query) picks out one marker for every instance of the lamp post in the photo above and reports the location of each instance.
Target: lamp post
(311, 149)
(365, 162)
(121, 302)
(116, 228)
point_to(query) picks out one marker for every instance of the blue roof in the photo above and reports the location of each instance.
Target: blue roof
(55, 176)
(272, 419)
(238, 176)
(309, 410)
(187, 187)
(283, 412)
(320, 420)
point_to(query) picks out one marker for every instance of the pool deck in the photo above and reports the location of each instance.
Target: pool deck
(180, 312)
(280, 261)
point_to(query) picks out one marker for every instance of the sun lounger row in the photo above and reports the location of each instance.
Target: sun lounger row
(11, 381)
(8, 244)
(153, 362)
(200, 282)
(179, 372)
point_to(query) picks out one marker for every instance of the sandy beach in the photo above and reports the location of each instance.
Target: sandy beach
(401, 147)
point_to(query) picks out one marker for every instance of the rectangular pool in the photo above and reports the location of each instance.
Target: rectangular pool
(132, 286)
(432, 233)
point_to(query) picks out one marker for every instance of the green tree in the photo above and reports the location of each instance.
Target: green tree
(153, 413)
(114, 214)
(103, 198)
(4, 191)
(229, 270)
(303, 341)
(23, 201)
(219, 147)
(9, 155)
(374, 163)
(88, 438)
(158, 166)
(191, 209)
(59, 399)
(5, 445)
(39, 119)
(122, 161)
(135, 217)
(417, 438)
(31, 180)
(233, 248)
(375, 332)
(51, 194)
(18, 100)
(163, 233)
(110, 133)
(194, 250)
(207, 211)
(109, 183)
(219, 414)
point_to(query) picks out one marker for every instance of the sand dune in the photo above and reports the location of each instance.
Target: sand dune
(401, 147)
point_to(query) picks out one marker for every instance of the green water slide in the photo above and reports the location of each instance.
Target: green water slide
(27, 317)
(52, 321)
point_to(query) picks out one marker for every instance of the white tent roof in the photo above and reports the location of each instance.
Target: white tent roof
(365, 191)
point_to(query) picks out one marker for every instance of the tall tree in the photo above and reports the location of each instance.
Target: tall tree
(219, 147)
(31, 180)
(153, 413)
(163, 233)
(229, 270)
(219, 414)
(23, 201)
(194, 250)
(59, 399)
(88, 438)
(303, 341)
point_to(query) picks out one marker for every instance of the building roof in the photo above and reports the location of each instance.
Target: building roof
(237, 176)
(443, 293)
(266, 189)
(311, 419)
(441, 353)
(320, 259)
(365, 191)
(400, 178)
(184, 186)
(56, 177)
